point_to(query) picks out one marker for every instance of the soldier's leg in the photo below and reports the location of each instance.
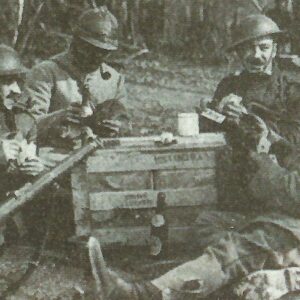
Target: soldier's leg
(2, 238)
(233, 257)
(212, 225)
(20, 224)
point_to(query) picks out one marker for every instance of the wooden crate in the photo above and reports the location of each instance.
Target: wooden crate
(115, 190)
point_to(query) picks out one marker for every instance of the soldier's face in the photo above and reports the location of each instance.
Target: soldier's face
(88, 57)
(9, 90)
(257, 55)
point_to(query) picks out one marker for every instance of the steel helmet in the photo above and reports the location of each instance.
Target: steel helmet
(98, 27)
(252, 27)
(10, 62)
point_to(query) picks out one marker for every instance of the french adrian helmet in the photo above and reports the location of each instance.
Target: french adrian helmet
(253, 27)
(10, 62)
(98, 27)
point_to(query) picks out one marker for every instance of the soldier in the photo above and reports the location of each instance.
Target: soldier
(75, 82)
(14, 119)
(74, 90)
(261, 89)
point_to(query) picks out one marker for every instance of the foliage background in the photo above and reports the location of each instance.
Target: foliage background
(191, 28)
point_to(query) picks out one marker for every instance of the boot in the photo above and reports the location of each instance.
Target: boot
(110, 286)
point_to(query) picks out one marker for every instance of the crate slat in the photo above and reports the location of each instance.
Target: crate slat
(176, 216)
(139, 236)
(203, 140)
(147, 198)
(114, 161)
(80, 200)
(119, 181)
(190, 178)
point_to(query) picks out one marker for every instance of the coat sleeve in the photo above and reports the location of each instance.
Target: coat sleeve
(39, 85)
(206, 125)
(289, 123)
(3, 160)
(121, 94)
(276, 188)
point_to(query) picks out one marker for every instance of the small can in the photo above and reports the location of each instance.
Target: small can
(188, 124)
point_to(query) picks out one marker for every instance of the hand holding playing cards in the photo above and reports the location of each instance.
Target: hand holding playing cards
(10, 149)
(232, 108)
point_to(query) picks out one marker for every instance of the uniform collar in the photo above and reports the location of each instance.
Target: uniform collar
(66, 59)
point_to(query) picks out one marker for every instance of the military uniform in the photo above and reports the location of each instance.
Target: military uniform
(58, 82)
(55, 84)
(52, 86)
(274, 98)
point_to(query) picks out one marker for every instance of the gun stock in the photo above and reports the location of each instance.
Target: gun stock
(29, 190)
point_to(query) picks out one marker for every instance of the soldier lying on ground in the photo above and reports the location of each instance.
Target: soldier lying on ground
(18, 158)
(268, 241)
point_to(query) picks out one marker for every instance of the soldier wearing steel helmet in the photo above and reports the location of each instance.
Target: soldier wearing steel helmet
(262, 89)
(79, 80)
(14, 116)
(15, 124)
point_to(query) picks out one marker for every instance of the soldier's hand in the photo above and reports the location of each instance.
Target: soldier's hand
(113, 126)
(33, 167)
(10, 149)
(74, 113)
(232, 108)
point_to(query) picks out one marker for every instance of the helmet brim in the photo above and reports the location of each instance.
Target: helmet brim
(234, 46)
(98, 44)
(19, 71)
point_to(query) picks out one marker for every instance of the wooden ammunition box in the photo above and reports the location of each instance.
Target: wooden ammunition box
(115, 190)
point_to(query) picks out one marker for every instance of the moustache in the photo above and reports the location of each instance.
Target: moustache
(256, 62)
(13, 96)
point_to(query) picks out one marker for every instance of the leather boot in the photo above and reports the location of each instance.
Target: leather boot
(110, 286)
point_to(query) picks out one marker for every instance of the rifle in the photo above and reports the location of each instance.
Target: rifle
(26, 193)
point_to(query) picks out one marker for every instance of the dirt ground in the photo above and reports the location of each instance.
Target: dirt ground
(157, 91)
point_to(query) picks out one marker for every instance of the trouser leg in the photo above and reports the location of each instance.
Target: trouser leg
(212, 225)
(234, 256)
(20, 224)
(2, 238)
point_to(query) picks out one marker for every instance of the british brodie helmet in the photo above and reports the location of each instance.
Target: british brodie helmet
(98, 27)
(10, 62)
(253, 27)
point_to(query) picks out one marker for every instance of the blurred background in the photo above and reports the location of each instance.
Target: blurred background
(186, 28)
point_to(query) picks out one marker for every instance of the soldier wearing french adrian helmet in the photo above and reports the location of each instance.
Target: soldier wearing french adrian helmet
(79, 82)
